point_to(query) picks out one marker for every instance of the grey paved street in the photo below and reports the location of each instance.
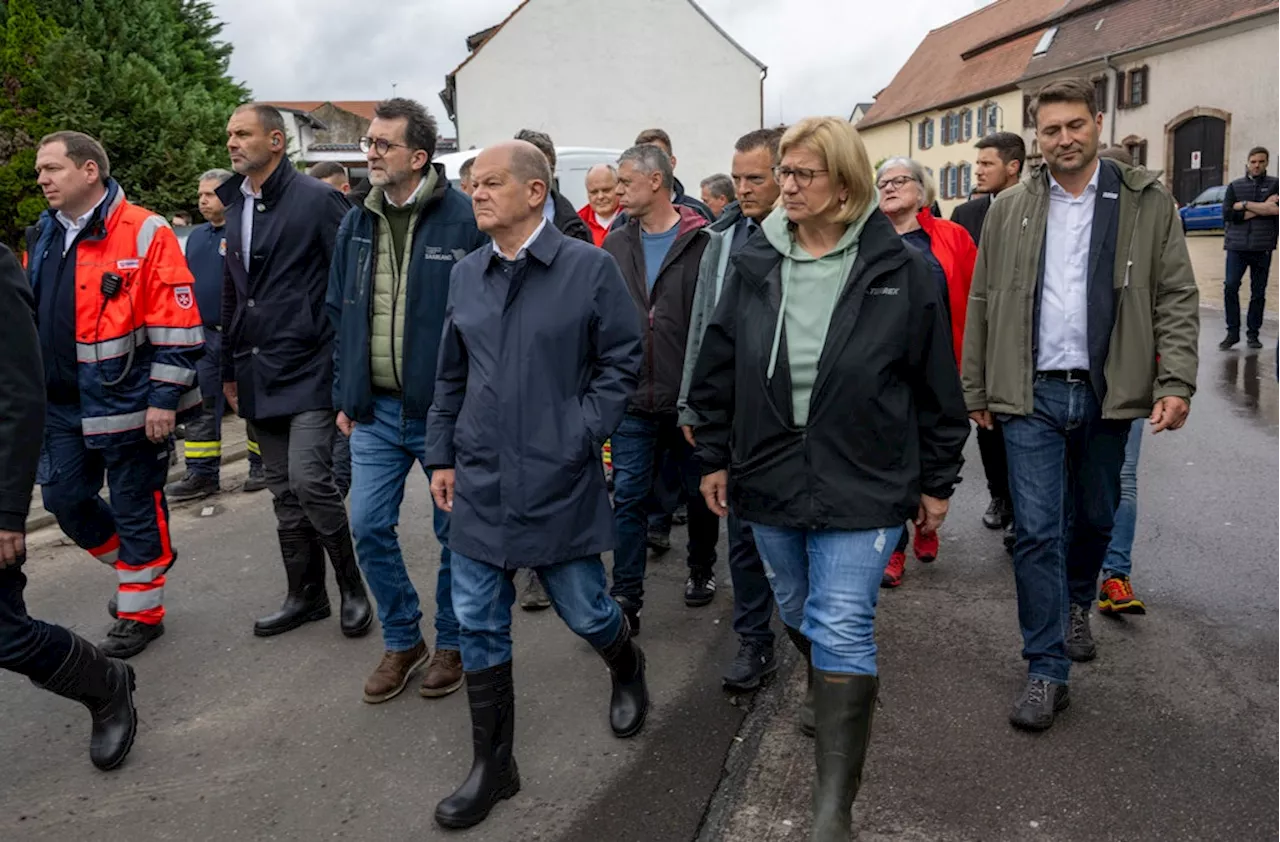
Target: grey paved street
(1172, 733)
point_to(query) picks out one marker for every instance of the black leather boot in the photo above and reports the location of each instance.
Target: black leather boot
(806, 651)
(630, 701)
(307, 599)
(843, 708)
(356, 613)
(105, 686)
(494, 775)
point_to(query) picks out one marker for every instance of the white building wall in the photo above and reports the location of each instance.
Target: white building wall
(597, 72)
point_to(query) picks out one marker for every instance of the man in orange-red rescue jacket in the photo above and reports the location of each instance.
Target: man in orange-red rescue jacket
(119, 335)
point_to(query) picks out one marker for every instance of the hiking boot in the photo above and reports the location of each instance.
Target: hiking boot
(659, 541)
(1080, 646)
(391, 675)
(1254, 342)
(1116, 597)
(1038, 704)
(925, 546)
(257, 480)
(443, 675)
(755, 662)
(1232, 340)
(191, 487)
(998, 513)
(700, 588)
(129, 637)
(893, 570)
(630, 610)
(534, 597)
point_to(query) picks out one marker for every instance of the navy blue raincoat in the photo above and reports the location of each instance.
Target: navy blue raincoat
(538, 360)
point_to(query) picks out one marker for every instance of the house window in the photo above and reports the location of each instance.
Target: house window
(1138, 87)
(965, 173)
(956, 120)
(953, 183)
(942, 182)
(1027, 121)
(946, 130)
(1100, 93)
(924, 134)
(968, 123)
(1138, 152)
(930, 144)
(987, 119)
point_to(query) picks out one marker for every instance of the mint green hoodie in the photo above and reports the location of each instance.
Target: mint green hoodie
(810, 287)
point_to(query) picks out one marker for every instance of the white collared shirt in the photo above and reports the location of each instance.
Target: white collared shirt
(1064, 296)
(73, 227)
(605, 222)
(246, 219)
(527, 243)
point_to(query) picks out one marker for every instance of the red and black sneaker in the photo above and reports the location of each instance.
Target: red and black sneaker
(893, 570)
(1116, 597)
(925, 546)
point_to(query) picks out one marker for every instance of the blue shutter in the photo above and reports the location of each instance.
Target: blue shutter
(955, 182)
(942, 183)
(930, 143)
(968, 124)
(965, 176)
(920, 136)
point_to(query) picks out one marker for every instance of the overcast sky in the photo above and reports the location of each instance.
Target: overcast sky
(823, 55)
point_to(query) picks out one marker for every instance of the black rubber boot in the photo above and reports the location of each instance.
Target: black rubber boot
(307, 599)
(629, 704)
(843, 708)
(356, 613)
(494, 775)
(104, 686)
(806, 651)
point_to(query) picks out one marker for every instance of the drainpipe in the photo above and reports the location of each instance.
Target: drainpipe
(764, 74)
(909, 133)
(1114, 91)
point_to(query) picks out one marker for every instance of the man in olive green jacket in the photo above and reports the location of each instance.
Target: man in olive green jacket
(1083, 315)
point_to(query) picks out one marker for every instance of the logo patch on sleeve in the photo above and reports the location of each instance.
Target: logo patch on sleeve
(185, 298)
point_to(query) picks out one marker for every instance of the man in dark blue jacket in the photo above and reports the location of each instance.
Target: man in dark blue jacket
(277, 360)
(539, 356)
(1252, 217)
(388, 287)
(206, 258)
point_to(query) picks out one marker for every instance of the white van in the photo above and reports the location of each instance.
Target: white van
(572, 163)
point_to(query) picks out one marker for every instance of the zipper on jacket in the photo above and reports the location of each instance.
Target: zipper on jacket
(649, 353)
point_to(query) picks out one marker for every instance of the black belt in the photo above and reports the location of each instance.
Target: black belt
(1075, 375)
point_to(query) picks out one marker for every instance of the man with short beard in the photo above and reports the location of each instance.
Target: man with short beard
(1092, 250)
(387, 303)
(277, 360)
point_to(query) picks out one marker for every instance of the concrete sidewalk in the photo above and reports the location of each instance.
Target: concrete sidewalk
(234, 448)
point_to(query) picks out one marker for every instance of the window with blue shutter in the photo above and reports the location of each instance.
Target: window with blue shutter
(920, 144)
(954, 182)
(929, 145)
(965, 173)
(968, 124)
(942, 182)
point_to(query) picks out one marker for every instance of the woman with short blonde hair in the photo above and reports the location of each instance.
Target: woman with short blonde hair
(831, 413)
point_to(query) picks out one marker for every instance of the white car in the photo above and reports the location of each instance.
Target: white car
(572, 163)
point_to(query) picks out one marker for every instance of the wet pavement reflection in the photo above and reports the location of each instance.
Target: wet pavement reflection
(1247, 379)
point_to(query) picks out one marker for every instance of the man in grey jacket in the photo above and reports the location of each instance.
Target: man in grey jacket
(755, 155)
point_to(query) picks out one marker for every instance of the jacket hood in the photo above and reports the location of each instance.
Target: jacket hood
(690, 220)
(777, 228)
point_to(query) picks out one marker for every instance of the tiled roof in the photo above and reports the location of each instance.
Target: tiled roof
(1132, 24)
(360, 107)
(937, 74)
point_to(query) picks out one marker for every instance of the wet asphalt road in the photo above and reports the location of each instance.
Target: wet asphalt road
(1172, 731)
(246, 738)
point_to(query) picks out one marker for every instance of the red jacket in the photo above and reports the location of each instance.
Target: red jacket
(955, 251)
(598, 233)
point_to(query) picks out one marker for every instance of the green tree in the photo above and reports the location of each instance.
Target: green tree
(146, 77)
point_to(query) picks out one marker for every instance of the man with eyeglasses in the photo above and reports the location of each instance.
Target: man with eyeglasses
(388, 310)
(277, 360)
(754, 157)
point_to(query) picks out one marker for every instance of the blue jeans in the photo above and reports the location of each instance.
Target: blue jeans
(483, 595)
(382, 455)
(1259, 265)
(639, 444)
(1119, 560)
(827, 584)
(1064, 477)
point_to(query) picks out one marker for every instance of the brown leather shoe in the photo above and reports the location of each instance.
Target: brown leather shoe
(443, 675)
(392, 673)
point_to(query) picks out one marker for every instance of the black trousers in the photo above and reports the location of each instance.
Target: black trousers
(27, 646)
(994, 461)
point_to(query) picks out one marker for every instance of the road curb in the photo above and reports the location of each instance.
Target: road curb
(40, 518)
(767, 704)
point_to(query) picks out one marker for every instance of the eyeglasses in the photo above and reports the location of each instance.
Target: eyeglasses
(897, 183)
(381, 144)
(803, 177)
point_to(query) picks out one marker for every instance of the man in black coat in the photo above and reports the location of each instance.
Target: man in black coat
(539, 355)
(1001, 157)
(51, 656)
(277, 360)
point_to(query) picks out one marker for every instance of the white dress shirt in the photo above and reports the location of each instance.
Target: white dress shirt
(75, 226)
(520, 252)
(246, 219)
(1064, 296)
